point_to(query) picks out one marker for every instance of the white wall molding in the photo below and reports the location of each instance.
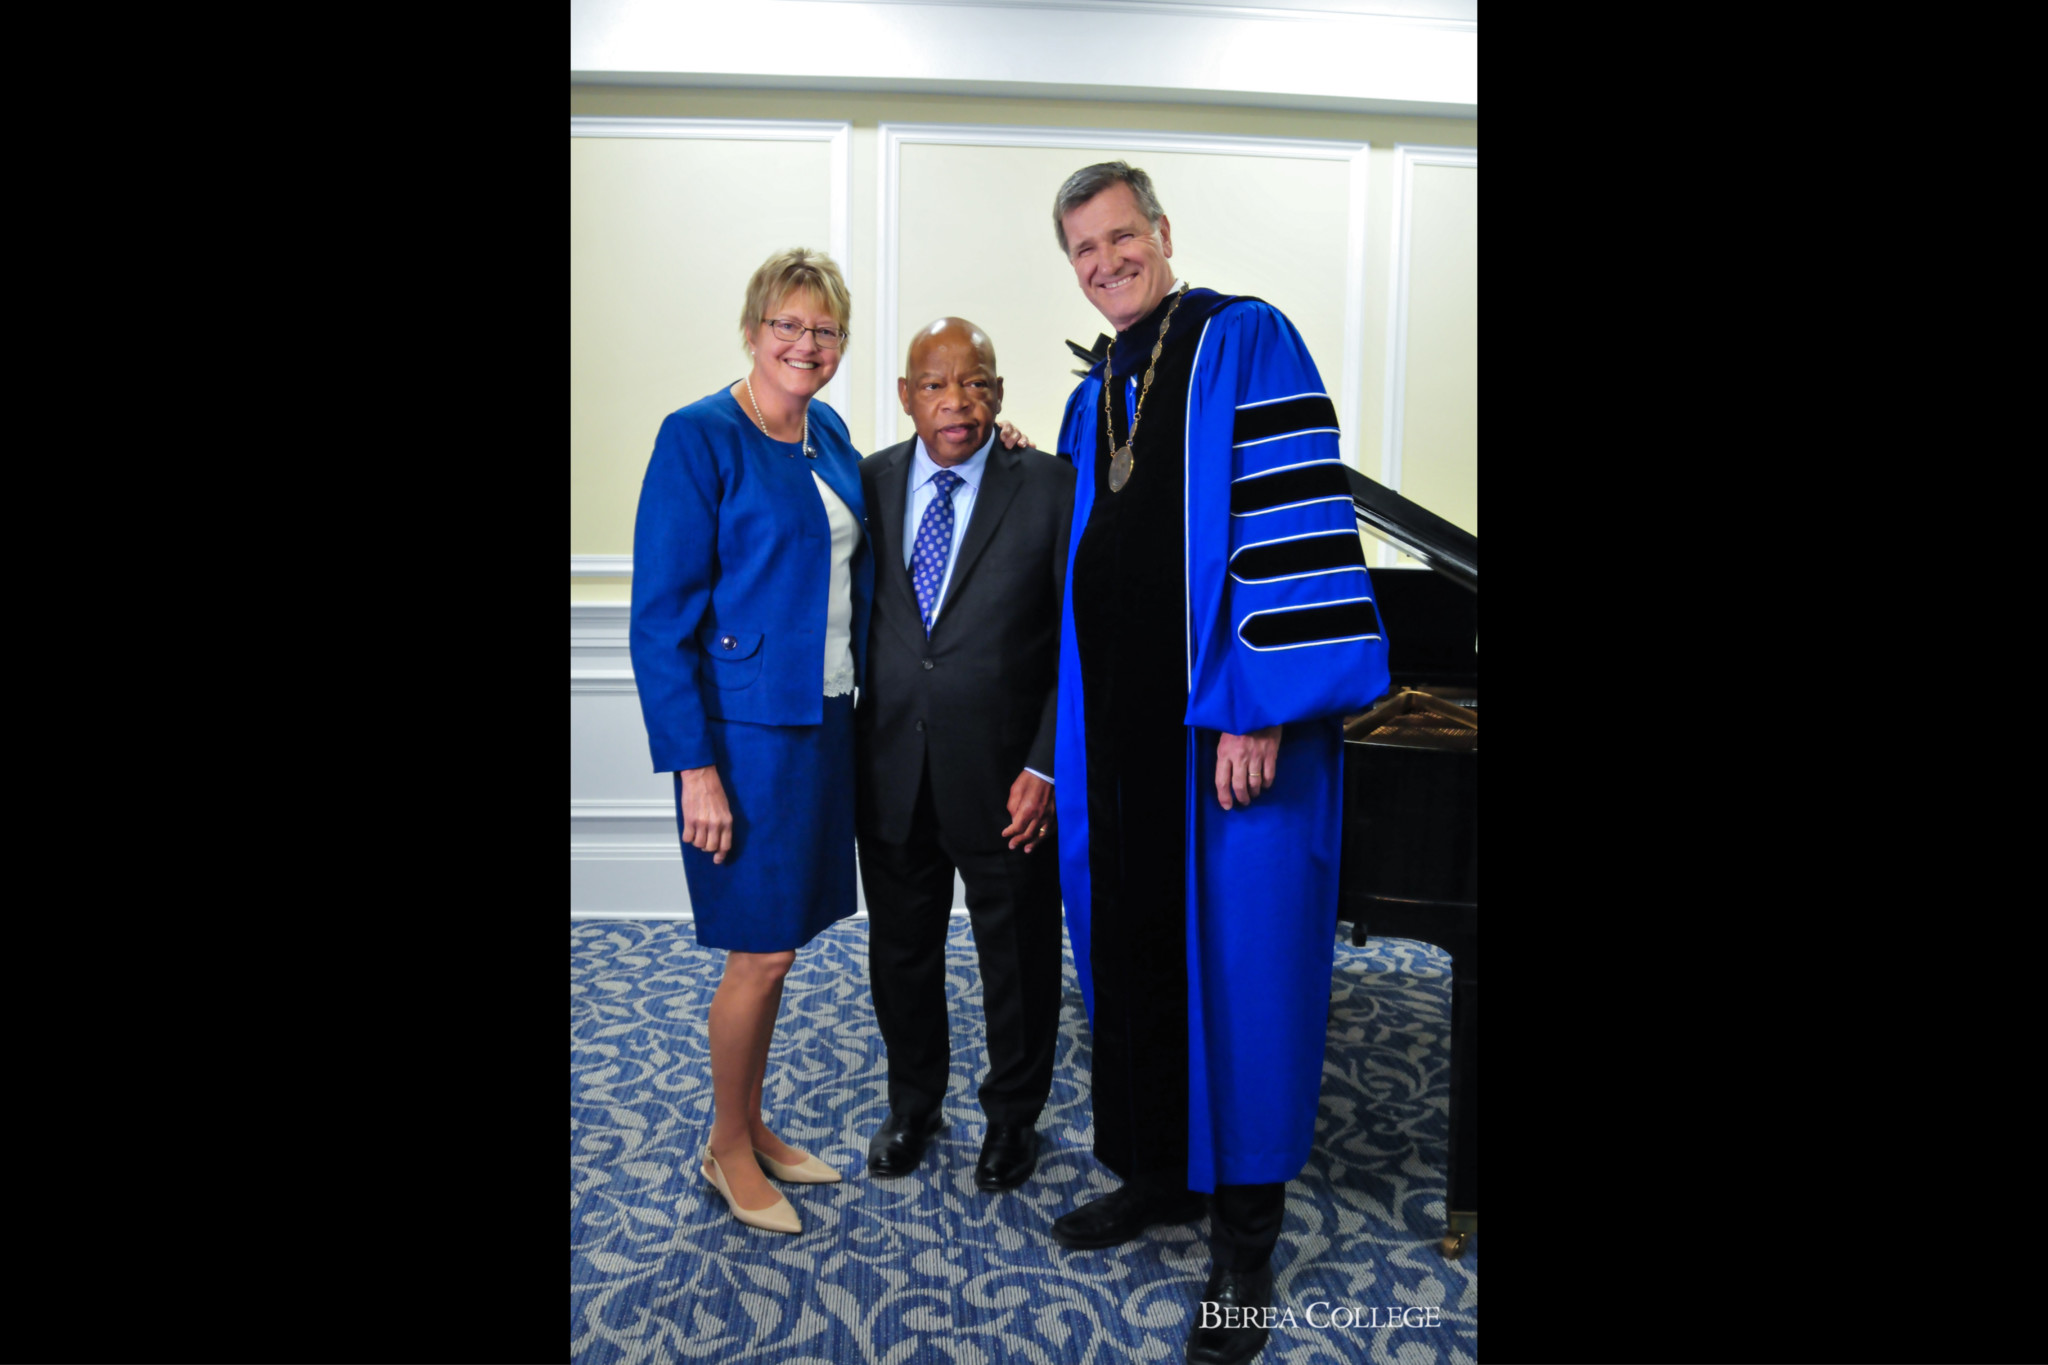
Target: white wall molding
(587, 619)
(600, 566)
(839, 138)
(894, 136)
(598, 631)
(619, 680)
(625, 916)
(1308, 56)
(622, 810)
(1407, 157)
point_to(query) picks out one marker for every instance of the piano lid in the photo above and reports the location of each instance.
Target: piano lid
(1414, 529)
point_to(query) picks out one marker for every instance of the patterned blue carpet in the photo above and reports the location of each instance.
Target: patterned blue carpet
(929, 1269)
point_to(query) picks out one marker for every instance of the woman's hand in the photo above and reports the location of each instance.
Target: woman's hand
(1246, 765)
(1012, 438)
(707, 819)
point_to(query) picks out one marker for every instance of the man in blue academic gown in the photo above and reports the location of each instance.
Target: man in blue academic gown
(1219, 623)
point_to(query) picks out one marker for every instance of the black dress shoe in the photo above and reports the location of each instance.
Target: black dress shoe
(1009, 1154)
(1230, 1320)
(1122, 1214)
(898, 1145)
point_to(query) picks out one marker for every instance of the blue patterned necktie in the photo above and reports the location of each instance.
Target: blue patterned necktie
(934, 546)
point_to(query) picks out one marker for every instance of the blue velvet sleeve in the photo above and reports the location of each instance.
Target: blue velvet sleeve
(1283, 626)
(1070, 426)
(675, 564)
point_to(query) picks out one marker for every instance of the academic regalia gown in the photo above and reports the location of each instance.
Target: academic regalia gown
(1223, 589)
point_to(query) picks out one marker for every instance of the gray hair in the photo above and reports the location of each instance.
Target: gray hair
(1090, 181)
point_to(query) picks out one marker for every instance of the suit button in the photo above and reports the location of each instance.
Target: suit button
(727, 642)
(927, 663)
(920, 725)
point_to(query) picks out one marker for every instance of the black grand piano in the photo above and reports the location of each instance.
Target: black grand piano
(1411, 795)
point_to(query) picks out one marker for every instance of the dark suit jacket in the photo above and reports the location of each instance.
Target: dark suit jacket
(977, 700)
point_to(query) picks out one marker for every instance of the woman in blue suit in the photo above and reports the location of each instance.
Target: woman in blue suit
(751, 583)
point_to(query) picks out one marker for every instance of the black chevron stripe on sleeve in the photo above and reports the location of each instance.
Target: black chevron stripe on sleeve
(1290, 558)
(1310, 625)
(1280, 419)
(1263, 492)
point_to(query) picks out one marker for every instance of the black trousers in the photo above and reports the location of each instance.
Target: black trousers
(1244, 1220)
(1013, 905)
(1244, 1225)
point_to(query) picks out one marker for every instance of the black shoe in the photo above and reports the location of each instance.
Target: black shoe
(1232, 1297)
(1009, 1154)
(898, 1145)
(1122, 1214)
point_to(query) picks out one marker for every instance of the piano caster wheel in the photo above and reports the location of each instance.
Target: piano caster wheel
(1452, 1246)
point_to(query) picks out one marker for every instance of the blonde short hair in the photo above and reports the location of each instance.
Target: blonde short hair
(793, 271)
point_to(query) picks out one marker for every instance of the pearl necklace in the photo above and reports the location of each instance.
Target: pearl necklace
(809, 454)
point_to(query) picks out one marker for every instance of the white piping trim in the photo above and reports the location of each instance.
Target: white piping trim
(1290, 577)
(1282, 540)
(1263, 402)
(1282, 468)
(1187, 564)
(1305, 644)
(1288, 435)
(1305, 502)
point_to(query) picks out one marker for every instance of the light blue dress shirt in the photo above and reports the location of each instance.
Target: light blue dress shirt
(921, 493)
(922, 469)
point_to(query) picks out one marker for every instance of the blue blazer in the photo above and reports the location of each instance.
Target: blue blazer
(732, 565)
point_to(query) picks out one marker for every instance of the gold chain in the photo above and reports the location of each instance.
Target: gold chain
(1122, 459)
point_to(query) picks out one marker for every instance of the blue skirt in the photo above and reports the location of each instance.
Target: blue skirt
(790, 872)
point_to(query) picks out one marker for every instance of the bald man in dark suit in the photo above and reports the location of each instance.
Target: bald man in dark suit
(955, 735)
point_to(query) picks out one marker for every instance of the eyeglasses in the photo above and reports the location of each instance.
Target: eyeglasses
(831, 338)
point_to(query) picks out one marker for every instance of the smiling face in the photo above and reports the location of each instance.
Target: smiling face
(952, 391)
(1118, 257)
(798, 368)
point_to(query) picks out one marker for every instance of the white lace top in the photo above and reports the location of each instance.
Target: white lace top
(839, 605)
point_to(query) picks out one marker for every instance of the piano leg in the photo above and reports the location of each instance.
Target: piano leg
(1454, 927)
(1462, 1197)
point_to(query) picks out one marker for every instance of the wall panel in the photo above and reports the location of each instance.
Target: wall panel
(1440, 443)
(975, 238)
(663, 236)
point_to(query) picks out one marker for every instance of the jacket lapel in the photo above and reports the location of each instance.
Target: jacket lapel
(999, 482)
(892, 485)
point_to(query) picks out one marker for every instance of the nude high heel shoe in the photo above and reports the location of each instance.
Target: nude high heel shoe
(777, 1217)
(809, 1171)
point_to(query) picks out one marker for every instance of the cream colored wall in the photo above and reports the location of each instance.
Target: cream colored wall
(1015, 291)
(658, 264)
(1440, 412)
(1270, 228)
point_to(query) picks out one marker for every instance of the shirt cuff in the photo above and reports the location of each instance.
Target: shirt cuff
(1042, 777)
